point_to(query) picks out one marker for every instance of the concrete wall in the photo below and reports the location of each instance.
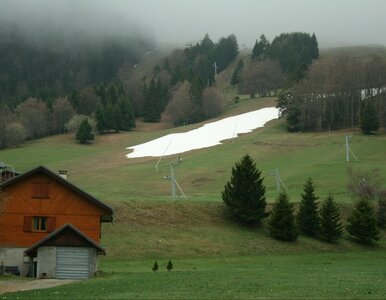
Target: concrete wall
(15, 257)
(46, 262)
(93, 262)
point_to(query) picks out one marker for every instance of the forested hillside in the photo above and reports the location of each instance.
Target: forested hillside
(338, 92)
(54, 67)
(50, 85)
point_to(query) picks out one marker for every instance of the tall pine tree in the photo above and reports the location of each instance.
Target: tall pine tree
(244, 194)
(369, 117)
(84, 134)
(331, 227)
(308, 217)
(281, 224)
(363, 223)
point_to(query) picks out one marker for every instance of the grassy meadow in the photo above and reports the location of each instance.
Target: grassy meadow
(358, 275)
(103, 169)
(214, 258)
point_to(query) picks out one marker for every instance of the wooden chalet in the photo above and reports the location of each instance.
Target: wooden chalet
(46, 223)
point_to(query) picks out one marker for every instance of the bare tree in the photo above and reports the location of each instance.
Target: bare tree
(213, 102)
(62, 112)
(14, 134)
(88, 101)
(34, 115)
(334, 90)
(6, 117)
(180, 106)
(365, 184)
(262, 77)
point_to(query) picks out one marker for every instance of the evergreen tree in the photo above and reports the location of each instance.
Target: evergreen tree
(154, 99)
(314, 47)
(126, 113)
(308, 217)
(237, 73)
(84, 133)
(293, 119)
(101, 122)
(196, 89)
(261, 48)
(381, 214)
(74, 99)
(363, 223)
(369, 117)
(331, 227)
(169, 265)
(110, 115)
(244, 194)
(281, 223)
(155, 266)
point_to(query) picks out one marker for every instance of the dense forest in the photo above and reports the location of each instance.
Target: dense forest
(55, 67)
(338, 92)
(50, 87)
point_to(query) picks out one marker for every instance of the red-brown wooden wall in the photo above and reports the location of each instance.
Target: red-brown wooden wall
(64, 204)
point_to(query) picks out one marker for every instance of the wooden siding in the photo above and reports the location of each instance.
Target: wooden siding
(63, 206)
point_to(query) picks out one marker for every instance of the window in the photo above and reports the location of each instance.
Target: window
(39, 224)
(41, 190)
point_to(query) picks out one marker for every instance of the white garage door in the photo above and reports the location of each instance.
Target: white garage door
(72, 263)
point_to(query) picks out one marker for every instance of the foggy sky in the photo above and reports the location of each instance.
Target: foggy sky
(335, 22)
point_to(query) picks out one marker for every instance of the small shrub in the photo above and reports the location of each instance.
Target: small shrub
(381, 214)
(169, 265)
(155, 266)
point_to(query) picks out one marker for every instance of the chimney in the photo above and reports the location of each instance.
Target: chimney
(63, 174)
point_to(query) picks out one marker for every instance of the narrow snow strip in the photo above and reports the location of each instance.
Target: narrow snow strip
(208, 135)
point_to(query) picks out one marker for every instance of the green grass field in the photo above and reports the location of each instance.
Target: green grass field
(213, 257)
(104, 171)
(357, 275)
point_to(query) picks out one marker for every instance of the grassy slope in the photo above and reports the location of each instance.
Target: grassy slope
(213, 257)
(104, 171)
(355, 51)
(337, 276)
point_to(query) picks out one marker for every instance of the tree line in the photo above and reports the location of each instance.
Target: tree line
(274, 65)
(183, 85)
(339, 92)
(106, 108)
(244, 196)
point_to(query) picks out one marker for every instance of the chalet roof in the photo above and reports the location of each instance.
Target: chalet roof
(42, 169)
(31, 251)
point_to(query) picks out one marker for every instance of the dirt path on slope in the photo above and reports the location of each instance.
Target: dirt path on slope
(7, 286)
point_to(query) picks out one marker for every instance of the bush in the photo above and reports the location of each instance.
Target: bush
(169, 265)
(155, 266)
